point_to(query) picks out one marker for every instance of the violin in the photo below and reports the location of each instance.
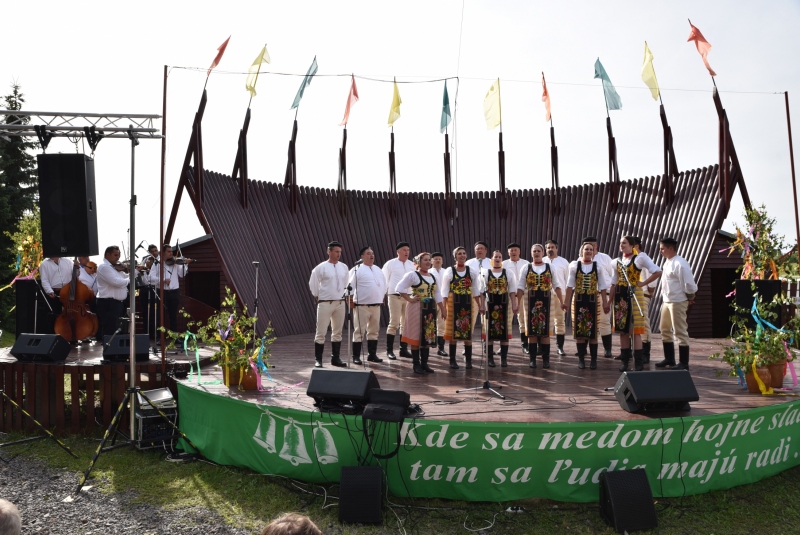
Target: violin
(180, 261)
(76, 321)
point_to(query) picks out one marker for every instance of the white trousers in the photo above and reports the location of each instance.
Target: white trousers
(329, 313)
(397, 313)
(366, 322)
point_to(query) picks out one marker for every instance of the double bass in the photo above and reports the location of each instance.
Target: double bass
(76, 321)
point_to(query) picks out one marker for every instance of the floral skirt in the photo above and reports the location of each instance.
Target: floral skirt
(419, 327)
(501, 315)
(539, 317)
(586, 311)
(627, 317)
(458, 325)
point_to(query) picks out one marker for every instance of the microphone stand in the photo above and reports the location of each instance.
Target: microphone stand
(348, 317)
(486, 384)
(39, 290)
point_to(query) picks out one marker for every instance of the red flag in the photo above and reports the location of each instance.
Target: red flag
(703, 46)
(545, 99)
(221, 49)
(352, 98)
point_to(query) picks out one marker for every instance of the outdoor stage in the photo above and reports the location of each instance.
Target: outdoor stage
(552, 436)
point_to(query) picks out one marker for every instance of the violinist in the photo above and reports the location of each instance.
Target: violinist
(55, 273)
(112, 289)
(88, 273)
(174, 270)
(147, 295)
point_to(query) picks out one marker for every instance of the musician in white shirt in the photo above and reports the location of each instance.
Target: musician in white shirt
(328, 284)
(112, 289)
(438, 271)
(174, 271)
(369, 287)
(394, 270)
(513, 264)
(560, 267)
(678, 290)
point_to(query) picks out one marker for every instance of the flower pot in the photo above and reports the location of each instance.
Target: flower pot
(752, 384)
(777, 372)
(231, 376)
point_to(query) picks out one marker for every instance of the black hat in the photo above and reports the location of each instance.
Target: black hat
(513, 244)
(363, 249)
(477, 243)
(333, 244)
(435, 254)
(589, 239)
(401, 244)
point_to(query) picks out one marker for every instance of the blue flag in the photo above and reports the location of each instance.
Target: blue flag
(446, 117)
(613, 102)
(306, 81)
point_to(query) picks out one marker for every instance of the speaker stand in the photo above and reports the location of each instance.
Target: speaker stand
(47, 434)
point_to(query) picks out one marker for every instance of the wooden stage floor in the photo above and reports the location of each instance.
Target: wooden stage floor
(562, 393)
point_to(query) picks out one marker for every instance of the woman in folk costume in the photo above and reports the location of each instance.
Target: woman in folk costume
(589, 286)
(541, 291)
(421, 291)
(501, 306)
(460, 287)
(627, 296)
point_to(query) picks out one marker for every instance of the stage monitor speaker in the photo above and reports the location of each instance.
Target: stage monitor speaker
(40, 348)
(351, 386)
(626, 501)
(655, 391)
(360, 495)
(67, 204)
(120, 348)
(387, 405)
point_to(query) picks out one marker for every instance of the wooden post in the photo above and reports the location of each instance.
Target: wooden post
(794, 181)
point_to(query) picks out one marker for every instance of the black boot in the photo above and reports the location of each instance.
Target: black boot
(357, 353)
(534, 349)
(669, 355)
(607, 345)
(560, 344)
(626, 357)
(683, 354)
(637, 360)
(645, 352)
(468, 357)
(404, 350)
(440, 343)
(453, 363)
(532, 355)
(417, 366)
(491, 356)
(582, 355)
(318, 349)
(335, 360)
(390, 347)
(423, 357)
(593, 353)
(372, 351)
(545, 355)
(503, 356)
(524, 343)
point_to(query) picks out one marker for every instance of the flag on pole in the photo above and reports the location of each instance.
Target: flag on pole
(446, 117)
(255, 68)
(613, 102)
(649, 73)
(306, 82)
(545, 99)
(221, 50)
(703, 46)
(394, 111)
(352, 98)
(492, 110)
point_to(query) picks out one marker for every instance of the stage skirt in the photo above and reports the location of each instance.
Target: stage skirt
(459, 317)
(420, 324)
(627, 316)
(538, 312)
(586, 310)
(501, 315)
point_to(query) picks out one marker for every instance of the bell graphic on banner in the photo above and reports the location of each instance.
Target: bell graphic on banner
(294, 445)
(265, 433)
(324, 445)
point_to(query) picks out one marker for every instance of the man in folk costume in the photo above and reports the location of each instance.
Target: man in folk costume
(627, 298)
(369, 287)
(541, 292)
(461, 287)
(560, 267)
(648, 292)
(476, 266)
(606, 264)
(501, 305)
(587, 288)
(438, 271)
(678, 290)
(513, 264)
(420, 291)
(328, 284)
(394, 270)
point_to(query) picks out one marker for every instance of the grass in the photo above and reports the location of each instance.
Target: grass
(248, 500)
(7, 339)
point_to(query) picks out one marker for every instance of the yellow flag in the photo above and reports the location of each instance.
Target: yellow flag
(252, 72)
(394, 111)
(492, 110)
(649, 73)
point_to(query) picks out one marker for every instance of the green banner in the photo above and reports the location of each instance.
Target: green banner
(495, 461)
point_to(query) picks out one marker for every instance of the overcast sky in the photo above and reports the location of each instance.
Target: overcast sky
(108, 57)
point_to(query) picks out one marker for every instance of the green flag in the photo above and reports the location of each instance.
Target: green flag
(306, 81)
(446, 117)
(613, 102)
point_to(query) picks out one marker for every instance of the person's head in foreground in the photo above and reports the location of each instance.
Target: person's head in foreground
(10, 521)
(291, 524)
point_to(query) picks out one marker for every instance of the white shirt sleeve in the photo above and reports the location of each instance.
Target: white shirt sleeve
(615, 276)
(602, 281)
(523, 275)
(686, 277)
(313, 282)
(645, 262)
(405, 284)
(387, 273)
(476, 283)
(512, 281)
(447, 277)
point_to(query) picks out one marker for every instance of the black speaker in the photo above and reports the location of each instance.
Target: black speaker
(626, 501)
(387, 405)
(31, 318)
(40, 348)
(655, 391)
(360, 495)
(120, 348)
(67, 203)
(349, 386)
